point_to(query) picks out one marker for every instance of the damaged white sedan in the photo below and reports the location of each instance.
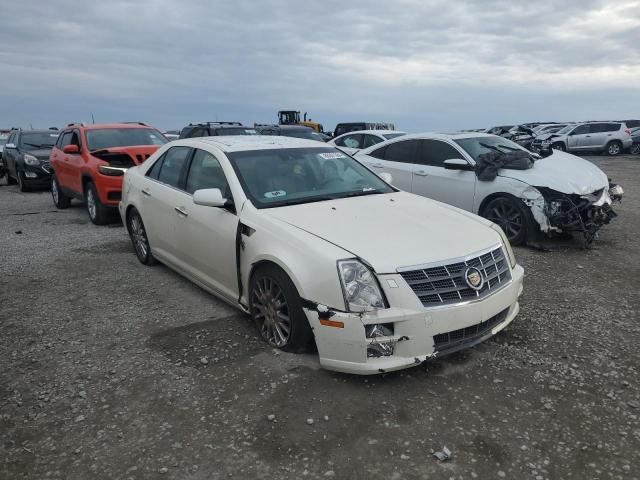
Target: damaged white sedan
(315, 247)
(500, 180)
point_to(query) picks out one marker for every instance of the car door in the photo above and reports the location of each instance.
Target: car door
(396, 158)
(9, 154)
(595, 138)
(163, 204)
(208, 239)
(57, 158)
(75, 163)
(577, 139)
(431, 179)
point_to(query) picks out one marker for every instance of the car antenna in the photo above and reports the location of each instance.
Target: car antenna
(93, 120)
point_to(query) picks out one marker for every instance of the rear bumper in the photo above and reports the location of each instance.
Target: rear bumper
(419, 335)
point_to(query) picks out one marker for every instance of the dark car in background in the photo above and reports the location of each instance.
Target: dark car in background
(297, 131)
(26, 157)
(346, 127)
(635, 136)
(214, 129)
(3, 141)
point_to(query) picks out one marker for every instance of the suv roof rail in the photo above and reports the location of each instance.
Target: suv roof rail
(137, 123)
(76, 124)
(265, 125)
(202, 124)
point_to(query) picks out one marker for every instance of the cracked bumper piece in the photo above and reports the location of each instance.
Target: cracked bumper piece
(416, 334)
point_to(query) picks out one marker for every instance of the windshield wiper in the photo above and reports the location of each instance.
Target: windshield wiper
(300, 201)
(364, 191)
(37, 145)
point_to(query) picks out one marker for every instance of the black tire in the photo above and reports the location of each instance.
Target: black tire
(613, 148)
(284, 301)
(22, 184)
(559, 146)
(10, 179)
(511, 215)
(139, 239)
(60, 200)
(635, 149)
(98, 213)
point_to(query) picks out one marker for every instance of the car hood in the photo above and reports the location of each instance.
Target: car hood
(547, 136)
(39, 153)
(392, 230)
(563, 173)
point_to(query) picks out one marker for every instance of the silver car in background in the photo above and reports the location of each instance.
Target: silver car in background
(610, 137)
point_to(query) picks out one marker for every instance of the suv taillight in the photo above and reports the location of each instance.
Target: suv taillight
(628, 132)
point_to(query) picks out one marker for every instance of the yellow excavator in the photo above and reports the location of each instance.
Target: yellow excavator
(292, 117)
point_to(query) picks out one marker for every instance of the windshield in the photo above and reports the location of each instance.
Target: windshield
(237, 131)
(389, 136)
(289, 176)
(101, 138)
(36, 140)
(476, 146)
(3, 139)
(306, 134)
(565, 130)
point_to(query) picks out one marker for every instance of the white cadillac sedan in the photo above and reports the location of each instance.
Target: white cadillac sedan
(315, 247)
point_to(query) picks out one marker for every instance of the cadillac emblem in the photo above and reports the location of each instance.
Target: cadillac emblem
(473, 277)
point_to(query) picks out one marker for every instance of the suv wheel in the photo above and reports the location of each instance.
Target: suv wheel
(276, 308)
(138, 235)
(98, 213)
(60, 200)
(635, 148)
(510, 215)
(21, 182)
(614, 148)
(559, 146)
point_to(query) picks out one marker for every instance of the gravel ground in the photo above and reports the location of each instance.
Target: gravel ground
(109, 369)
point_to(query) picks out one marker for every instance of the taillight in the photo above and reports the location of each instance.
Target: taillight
(628, 132)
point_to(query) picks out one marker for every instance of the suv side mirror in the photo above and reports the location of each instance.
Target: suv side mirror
(71, 149)
(209, 197)
(457, 164)
(10, 145)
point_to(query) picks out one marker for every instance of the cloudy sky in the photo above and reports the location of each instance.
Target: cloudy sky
(423, 64)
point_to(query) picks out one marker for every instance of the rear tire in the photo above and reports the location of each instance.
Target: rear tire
(559, 146)
(60, 200)
(635, 149)
(98, 213)
(139, 239)
(510, 214)
(276, 308)
(613, 148)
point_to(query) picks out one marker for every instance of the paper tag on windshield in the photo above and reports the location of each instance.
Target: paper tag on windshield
(54, 135)
(275, 194)
(329, 156)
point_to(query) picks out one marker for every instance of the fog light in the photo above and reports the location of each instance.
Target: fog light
(30, 174)
(379, 347)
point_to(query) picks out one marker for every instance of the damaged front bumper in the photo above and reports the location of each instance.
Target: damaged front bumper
(573, 213)
(395, 338)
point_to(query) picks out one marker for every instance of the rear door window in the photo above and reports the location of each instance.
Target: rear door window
(403, 151)
(581, 130)
(370, 140)
(350, 141)
(173, 164)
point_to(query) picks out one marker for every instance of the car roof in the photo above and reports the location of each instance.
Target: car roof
(373, 132)
(285, 127)
(96, 126)
(240, 143)
(444, 136)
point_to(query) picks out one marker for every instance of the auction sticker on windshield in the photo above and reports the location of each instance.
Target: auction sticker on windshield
(275, 194)
(330, 155)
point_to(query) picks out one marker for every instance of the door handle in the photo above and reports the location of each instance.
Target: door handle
(377, 165)
(146, 192)
(588, 136)
(181, 211)
(422, 173)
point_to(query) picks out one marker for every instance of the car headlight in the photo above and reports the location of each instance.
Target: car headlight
(359, 286)
(507, 245)
(31, 160)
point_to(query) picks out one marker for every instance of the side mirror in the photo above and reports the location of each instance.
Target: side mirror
(386, 177)
(209, 197)
(457, 164)
(10, 145)
(71, 149)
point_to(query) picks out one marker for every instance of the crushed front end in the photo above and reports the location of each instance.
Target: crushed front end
(575, 213)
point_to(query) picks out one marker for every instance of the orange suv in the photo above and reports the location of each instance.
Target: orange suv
(88, 162)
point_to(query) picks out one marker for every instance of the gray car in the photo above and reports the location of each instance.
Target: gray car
(610, 137)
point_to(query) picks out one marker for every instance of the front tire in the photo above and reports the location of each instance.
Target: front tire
(60, 200)
(559, 146)
(276, 308)
(98, 213)
(22, 185)
(614, 148)
(138, 235)
(635, 149)
(510, 214)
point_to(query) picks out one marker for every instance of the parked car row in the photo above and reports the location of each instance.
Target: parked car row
(383, 249)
